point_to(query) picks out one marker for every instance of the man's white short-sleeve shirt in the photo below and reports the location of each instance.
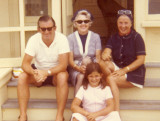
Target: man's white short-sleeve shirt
(46, 57)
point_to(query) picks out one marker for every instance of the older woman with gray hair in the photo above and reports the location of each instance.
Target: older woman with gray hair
(85, 47)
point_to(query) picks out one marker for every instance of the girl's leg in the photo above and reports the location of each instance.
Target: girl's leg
(113, 116)
(78, 117)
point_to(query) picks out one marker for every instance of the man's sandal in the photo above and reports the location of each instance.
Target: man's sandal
(63, 119)
(19, 118)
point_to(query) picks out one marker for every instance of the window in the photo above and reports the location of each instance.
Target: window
(9, 12)
(154, 6)
(10, 45)
(18, 22)
(36, 7)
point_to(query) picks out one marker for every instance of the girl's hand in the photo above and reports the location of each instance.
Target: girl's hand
(91, 116)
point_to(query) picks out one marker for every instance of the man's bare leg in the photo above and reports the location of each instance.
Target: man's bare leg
(23, 93)
(61, 93)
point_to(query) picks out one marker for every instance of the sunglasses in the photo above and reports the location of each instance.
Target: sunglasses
(48, 29)
(125, 12)
(83, 21)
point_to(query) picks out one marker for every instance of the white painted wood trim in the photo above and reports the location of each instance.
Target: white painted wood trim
(139, 16)
(64, 14)
(151, 24)
(22, 32)
(10, 62)
(5, 76)
(15, 29)
(56, 13)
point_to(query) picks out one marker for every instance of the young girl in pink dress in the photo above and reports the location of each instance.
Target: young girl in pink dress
(96, 98)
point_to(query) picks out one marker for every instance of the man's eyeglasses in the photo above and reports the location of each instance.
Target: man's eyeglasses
(83, 21)
(125, 12)
(48, 29)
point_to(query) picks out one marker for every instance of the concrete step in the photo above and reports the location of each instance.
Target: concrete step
(152, 69)
(48, 92)
(152, 64)
(152, 84)
(44, 109)
(31, 120)
(140, 115)
(44, 92)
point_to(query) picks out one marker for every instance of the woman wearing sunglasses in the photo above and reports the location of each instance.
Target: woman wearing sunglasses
(85, 47)
(127, 51)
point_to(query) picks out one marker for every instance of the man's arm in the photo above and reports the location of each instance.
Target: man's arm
(62, 66)
(26, 64)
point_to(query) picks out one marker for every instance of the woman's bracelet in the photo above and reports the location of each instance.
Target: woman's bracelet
(128, 68)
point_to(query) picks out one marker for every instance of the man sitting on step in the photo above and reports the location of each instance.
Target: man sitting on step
(49, 49)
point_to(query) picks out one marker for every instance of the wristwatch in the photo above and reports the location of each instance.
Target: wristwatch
(49, 72)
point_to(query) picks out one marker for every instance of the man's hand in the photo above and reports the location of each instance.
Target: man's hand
(40, 75)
